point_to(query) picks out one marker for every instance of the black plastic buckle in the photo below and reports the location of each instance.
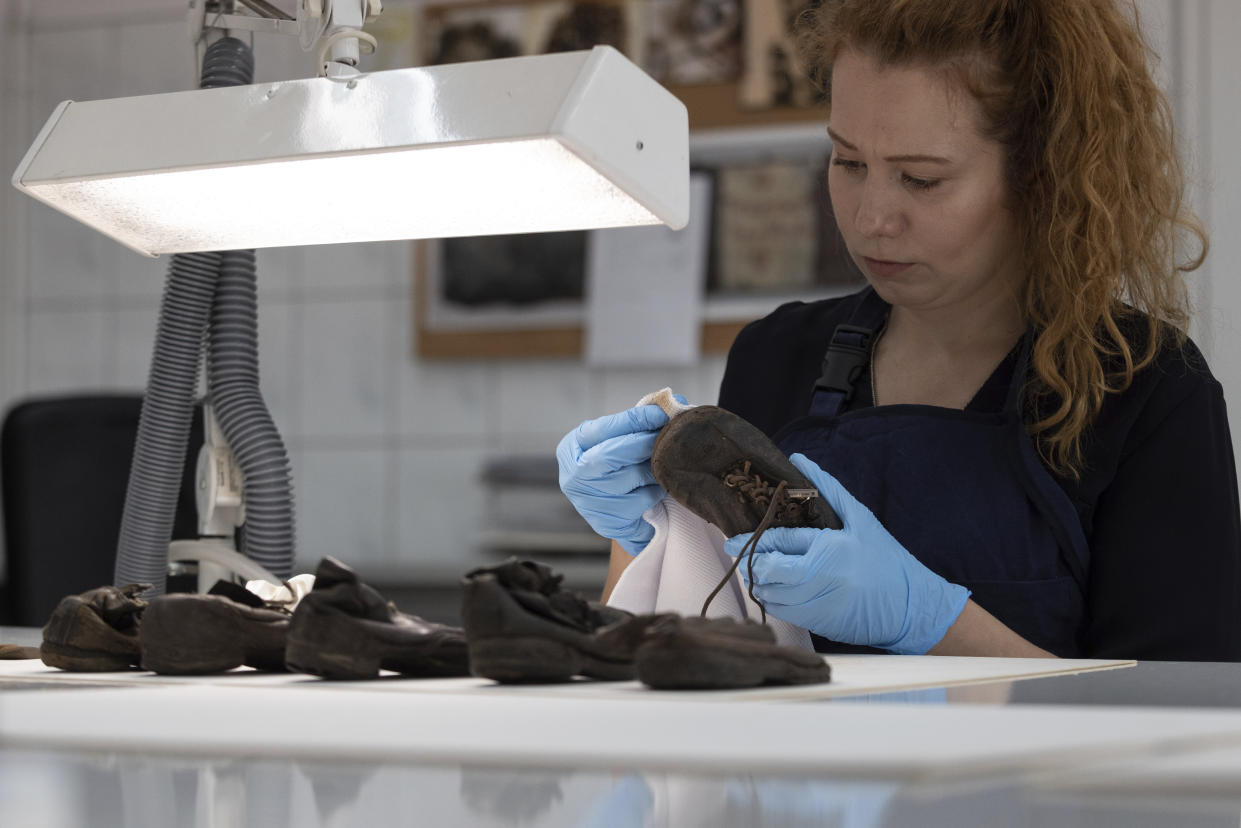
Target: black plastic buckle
(846, 356)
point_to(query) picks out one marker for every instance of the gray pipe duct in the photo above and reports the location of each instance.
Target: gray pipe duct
(233, 386)
(186, 309)
(164, 425)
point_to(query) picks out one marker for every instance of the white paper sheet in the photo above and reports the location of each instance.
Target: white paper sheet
(852, 675)
(644, 290)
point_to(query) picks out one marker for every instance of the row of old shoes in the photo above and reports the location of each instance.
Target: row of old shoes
(342, 629)
(520, 626)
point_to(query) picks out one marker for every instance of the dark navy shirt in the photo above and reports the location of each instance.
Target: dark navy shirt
(1157, 497)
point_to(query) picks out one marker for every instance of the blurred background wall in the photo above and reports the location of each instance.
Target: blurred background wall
(387, 448)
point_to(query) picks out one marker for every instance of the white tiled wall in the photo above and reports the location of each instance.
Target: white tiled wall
(386, 448)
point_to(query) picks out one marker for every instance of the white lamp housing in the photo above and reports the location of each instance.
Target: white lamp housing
(566, 141)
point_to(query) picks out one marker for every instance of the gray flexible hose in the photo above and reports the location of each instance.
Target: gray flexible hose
(227, 62)
(233, 375)
(167, 408)
(233, 385)
(164, 425)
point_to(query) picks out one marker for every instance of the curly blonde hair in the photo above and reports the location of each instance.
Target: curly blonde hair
(1093, 176)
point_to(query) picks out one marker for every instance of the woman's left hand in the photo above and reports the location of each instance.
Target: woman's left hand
(855, 585)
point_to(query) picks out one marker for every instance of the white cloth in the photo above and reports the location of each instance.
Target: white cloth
(290, 592)
(681, 565)
(664, 399)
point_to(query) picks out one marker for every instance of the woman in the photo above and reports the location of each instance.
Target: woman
(1030, 456)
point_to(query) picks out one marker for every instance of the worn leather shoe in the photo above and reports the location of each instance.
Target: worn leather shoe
(522, 627)
(96, 631)
(344, 629)
(721, 653)
(726, 471)
(192, 634)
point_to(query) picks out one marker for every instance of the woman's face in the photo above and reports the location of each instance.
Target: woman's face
(919, 193)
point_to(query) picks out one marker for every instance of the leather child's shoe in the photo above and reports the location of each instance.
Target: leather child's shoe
(192, 634)
(522, 627)
(344, 629)
(721, 653)
(96, 631)
(726, 471)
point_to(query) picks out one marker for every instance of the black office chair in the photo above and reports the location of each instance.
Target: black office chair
(64, 468)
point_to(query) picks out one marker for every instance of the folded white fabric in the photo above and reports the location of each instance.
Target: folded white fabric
(681, 565)
(664, 399)
(289, 593)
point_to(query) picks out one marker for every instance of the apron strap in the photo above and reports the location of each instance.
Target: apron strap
(1015, 398)
(847, 356)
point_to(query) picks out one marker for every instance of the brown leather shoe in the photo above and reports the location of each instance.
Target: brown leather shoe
(344, 629)
(721, 653)
(96, 631)
(726, 471)
(521, 627)
(192, 634)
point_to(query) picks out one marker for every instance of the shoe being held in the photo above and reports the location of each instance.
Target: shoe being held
(727, 472)
(522, 627)
(96, 631)
(344, 629)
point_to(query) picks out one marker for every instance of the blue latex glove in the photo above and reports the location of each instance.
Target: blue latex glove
(605, 471)
(855, 585)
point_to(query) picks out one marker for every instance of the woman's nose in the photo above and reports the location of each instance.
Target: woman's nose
(878, 214)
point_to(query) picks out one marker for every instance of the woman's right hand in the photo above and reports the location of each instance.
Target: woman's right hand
(605, 471)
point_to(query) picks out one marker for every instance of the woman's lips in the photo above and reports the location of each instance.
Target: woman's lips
(879, 267)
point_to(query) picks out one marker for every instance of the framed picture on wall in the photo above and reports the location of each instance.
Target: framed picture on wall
(715, 55)
(500, 296)
(773, 231)
(775, 77)
(524, 295)
(772, 238)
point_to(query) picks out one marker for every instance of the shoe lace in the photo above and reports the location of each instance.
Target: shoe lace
(750, 485)
(775, 498)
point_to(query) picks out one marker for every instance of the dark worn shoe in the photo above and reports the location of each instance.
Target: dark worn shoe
(522, 627)
(193, 634)
(96, 631)
(726, 471)
(721, 653)
(344, 629)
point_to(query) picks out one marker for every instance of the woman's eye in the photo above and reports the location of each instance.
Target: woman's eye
(846, 164)
(919, 183)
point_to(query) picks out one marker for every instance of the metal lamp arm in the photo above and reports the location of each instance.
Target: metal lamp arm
(333, 26)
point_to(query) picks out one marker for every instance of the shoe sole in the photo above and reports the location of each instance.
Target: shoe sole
(187, 635)
(76, 660)
(687, 664)
(531, 660)
(337, 646)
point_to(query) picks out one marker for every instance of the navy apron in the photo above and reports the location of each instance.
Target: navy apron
(963, 491)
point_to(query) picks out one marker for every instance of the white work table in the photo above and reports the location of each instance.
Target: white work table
(891, 741)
